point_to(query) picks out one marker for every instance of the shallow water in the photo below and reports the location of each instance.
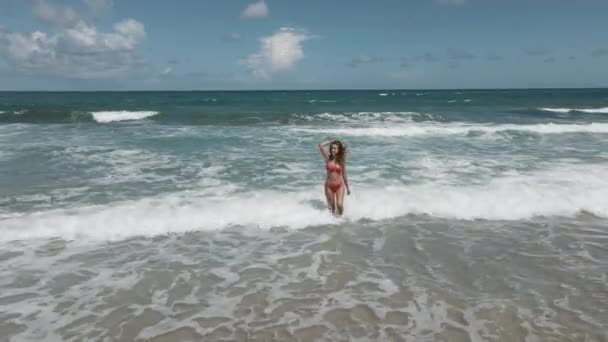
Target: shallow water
(411, 279)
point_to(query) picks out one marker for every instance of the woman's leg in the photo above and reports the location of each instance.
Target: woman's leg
(340, 199)
(331, 202)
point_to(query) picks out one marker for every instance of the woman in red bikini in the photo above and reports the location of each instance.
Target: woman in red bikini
(335, 163)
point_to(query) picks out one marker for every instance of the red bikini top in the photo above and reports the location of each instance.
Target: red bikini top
(334, 168)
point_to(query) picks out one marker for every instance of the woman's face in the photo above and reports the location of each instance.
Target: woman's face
(333, 149)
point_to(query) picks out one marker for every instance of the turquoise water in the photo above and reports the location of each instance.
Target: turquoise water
(74, 150)
(283, 107)
(441, 180)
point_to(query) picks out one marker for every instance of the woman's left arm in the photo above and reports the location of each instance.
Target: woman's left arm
(345, 177)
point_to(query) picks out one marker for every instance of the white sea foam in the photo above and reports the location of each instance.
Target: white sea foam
(364, 117)
(603, 110)
(171, 213)
(556, 110)
(416, 129)
(122, 115)
(322, 101)
(566, 190)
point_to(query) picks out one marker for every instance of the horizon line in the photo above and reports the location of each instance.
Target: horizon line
(298, 90)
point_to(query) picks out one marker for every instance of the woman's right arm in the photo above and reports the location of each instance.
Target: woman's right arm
(323, 149)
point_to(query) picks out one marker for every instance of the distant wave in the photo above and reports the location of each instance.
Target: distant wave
(365, 117)
(322, 101)
(603, 110)
(455, 129)
(62, 117)
(203, 118)
(111, 116)
(306, 118)
(465, 100)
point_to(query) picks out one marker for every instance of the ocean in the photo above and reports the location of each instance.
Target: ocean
(475, 215)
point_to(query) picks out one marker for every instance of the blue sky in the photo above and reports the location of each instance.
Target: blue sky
(312, 44)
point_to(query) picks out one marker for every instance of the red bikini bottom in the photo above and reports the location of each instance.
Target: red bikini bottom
(334, 187)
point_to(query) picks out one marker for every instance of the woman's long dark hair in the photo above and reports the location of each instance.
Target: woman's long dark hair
(339, 158)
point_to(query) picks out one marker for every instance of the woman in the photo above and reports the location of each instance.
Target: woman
(335, 163)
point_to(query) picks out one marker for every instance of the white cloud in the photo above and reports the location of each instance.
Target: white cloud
(279, 52)
(76, 49)
(99, 6)
(132, 30)
(55, 15)
(167, 71)
(256, 10)
(451, 2)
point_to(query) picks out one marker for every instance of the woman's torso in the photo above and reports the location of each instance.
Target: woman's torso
(334, 171)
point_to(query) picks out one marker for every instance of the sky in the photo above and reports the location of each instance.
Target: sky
(312, 44)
